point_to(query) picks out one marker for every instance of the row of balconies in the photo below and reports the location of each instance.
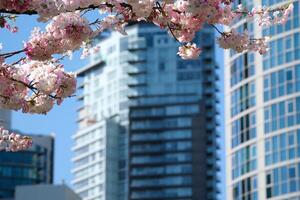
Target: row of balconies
(137, 44)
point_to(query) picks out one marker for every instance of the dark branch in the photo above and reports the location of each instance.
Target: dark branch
(33, 12)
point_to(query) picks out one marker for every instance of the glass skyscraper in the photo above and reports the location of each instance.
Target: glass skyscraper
(30, 167)
(162, 110)
(263, 112)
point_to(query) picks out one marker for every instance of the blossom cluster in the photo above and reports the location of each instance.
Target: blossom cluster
(267, 17)
(13, 142)
(36, 82)
(241, 42)
(182, 18)
(65, 33)
(4, 23)
(34, 86)
(45, 8)
(189, 51)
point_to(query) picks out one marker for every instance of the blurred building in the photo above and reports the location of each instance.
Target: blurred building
(263, 112)
(33, 166)
(45, 192)
(148, 120)
(5, 118)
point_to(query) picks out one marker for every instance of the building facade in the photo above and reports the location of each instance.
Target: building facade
(152, 98)
(33, 166)
(45, 192)
(262, 113)
(171, 154)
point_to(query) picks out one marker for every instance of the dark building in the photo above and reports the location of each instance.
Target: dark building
(173, 123)
(167, 110)
(30, 167)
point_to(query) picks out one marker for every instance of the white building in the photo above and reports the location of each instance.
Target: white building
(262, 101)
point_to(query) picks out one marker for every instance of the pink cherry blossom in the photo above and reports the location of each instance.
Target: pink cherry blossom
(189, 51)
(241, 42)
(34, 86)
(36, 82)
(13, 142)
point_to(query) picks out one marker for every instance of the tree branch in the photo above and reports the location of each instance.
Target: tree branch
(33, 12)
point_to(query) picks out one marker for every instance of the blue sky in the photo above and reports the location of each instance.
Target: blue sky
(62, 119)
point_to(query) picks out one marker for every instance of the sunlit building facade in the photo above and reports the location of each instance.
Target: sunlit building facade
(263, 113)
(151, 98)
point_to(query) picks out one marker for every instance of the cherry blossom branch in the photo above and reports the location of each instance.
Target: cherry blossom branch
(216, 28)
(69, 30)
(13, 142)
(90, 7)
(10, 54)
(33, 12)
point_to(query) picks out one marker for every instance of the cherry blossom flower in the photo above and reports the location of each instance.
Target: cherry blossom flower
(13, 142)
(36, 82)
(34, 86)
(241, 42)
(189, 51)
(67, 31)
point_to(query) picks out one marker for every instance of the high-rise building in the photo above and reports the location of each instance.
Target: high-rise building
(263, 112)
(172, 156)
(45, 192)
(33, 166)
(162, 139)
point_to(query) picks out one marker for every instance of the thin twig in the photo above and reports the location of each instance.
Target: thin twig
(216, 29)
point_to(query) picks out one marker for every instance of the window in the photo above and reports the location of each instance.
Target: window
(189, 75)
(281, 115)
(283, 180)
(182, 192)
(166, 158)
(242, 68)
(163, 135)
(282, 147)
(245, 189)
(242, 98)
(286, 49)
(162, 170)
(243, 161)
(161, 66)
(166, 146)
(283, 82)
(158, 124)
(165, 181)
(243, 129)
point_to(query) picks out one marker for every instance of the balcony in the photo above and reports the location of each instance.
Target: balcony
(136, 70)
(137, 82)
(82, 114)
(137, 92)
(137, 44)
(133, 59)
(86, 121)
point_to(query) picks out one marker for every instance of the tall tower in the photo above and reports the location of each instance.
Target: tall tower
(162, 140)
(263, 112)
